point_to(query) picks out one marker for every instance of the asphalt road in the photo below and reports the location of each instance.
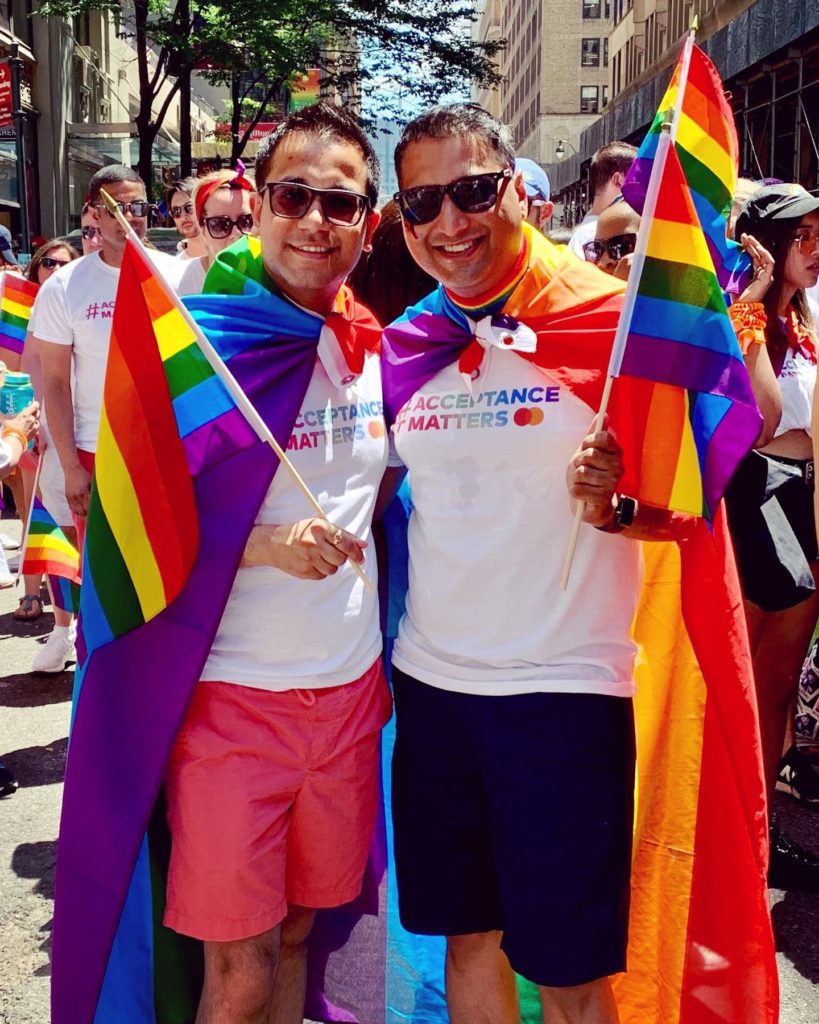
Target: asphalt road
(34, 716)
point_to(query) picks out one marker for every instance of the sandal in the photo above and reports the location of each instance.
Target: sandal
(26, 612)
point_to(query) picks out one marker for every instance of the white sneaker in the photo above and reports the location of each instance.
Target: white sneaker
(9, 543)
(57, 651)
(7, 578)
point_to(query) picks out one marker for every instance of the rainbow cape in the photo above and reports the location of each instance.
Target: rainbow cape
(112, 959)
(47, 550)
(700, 841)
(708, 150)
(17, 297)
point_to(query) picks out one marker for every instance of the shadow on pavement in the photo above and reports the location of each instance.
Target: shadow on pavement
(36, 861)
(38, 766)
(796, 929)
(11, 627)
(32, 691)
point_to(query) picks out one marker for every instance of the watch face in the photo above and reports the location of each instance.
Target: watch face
(625, 511)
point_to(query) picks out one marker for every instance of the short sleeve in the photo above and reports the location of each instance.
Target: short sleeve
(50, 314)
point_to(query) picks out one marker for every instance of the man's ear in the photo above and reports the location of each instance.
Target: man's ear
(256, 204)
(617, 180)
(546, 211)
(371, 223)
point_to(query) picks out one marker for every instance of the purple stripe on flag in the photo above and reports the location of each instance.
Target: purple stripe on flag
(217, 440)
(686, 366)
(728, 446)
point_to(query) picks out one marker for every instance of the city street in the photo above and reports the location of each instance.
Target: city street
(34, 716)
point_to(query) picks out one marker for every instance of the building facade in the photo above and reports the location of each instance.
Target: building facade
(767, 53)
(555, 70)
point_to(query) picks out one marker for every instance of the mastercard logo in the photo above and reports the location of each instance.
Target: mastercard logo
(528, 417)
(376, 428)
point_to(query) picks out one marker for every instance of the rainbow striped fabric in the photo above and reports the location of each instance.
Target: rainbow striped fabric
(708, 151)
(48, 551)
(65, 595)
(17, 297)
(142, 535)
(701, 417)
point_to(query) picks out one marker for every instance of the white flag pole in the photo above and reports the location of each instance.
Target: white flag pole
(233, 387)
(27, 528)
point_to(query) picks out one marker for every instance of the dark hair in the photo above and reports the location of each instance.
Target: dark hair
(610, 159)
(776, 235)
(45, 250)
(388, 280)
(183, 185)
(110, 175)
(456, 119)
(330, 124)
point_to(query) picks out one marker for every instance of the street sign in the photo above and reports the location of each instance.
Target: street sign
(6, 104)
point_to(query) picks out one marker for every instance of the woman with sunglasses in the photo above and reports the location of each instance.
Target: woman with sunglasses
(222, 205)
(47, 260)
(770, 501)
(612, 248)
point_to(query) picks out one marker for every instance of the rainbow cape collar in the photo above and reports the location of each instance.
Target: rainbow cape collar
(131, 694)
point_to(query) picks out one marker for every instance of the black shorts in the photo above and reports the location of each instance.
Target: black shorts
(772, 524)
(516, 814)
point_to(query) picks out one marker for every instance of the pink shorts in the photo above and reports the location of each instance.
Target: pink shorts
(272, 800)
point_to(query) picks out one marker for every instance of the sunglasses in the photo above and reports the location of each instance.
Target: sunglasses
(617, 247)
(807, 242)
(139, 208)
(179, 211)
(222, 226)
(291, 200)
(475, 193)
(50, 263)
(90, 232)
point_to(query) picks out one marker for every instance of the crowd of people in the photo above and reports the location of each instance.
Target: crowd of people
(500, 705)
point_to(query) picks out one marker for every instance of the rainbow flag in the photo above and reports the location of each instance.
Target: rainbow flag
(142, 535)
(17, 297)
(702, 418)
(708, 151)
(65, 594)
(47, 550)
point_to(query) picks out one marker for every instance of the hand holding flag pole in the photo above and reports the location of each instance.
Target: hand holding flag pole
(243, 403)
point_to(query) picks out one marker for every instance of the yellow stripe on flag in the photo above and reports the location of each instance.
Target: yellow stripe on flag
(40, 542)
(679, 243)
(15, 308)
(692, 138)
(172, 334)
(686, 494)
(124, 516)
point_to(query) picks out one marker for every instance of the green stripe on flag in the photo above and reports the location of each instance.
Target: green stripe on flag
(14, 321)
(702, 179)
(112, 581)
(186, 369)
(678, 282)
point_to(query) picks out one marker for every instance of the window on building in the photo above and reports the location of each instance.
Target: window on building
(605, 53)
(590, 53)
(591, 8)
(605, 98)
(589, 99)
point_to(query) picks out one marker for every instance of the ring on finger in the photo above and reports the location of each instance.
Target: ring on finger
(337, 537)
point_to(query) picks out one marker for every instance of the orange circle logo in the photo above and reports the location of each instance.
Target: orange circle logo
(375, 428)
(528, 417)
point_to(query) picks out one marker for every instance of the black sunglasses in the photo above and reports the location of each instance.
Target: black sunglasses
(50, 263)
(178, 211)
(475, 193)
(221, 226)
(617, 247)
(89, 231)
(139, 208)
(292, 200)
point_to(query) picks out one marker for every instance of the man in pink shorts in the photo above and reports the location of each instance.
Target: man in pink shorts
(272, 784)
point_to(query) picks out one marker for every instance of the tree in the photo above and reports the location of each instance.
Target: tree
(257, 47)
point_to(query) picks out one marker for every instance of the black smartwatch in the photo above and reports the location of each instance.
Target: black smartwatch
(624, 512)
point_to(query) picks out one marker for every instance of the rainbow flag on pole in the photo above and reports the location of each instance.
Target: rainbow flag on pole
(675, 330)
(17, 297)
(65, 595)
(708, 150)
(143, 534)
(47, 549)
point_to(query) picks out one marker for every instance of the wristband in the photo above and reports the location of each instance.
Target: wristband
(14, 432)
(749, 320)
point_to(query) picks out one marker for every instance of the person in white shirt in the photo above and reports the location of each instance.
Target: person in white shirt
(609, 167)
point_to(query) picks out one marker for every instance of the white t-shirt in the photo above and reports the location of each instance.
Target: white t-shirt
(193, 277)
(584, 232)
(488, 537)
(797, 381)
(75, 307)
(281, 633)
